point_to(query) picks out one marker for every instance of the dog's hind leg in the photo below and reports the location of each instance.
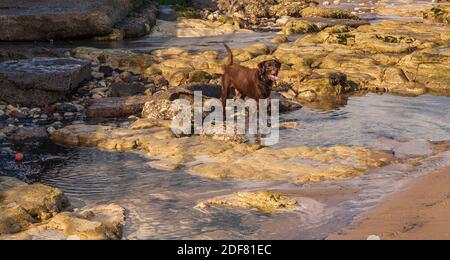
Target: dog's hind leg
(224, 96)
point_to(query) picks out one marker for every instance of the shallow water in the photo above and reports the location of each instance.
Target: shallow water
(160, 203)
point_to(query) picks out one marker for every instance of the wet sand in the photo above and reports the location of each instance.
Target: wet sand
(420, 211)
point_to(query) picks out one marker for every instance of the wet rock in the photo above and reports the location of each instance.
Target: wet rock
(322, 85)
(264, 201)
(61, 19)
(332, 163)
(280, 39)
(35, 212)
(230, 160)
(140, 22)
(327, 13)
(127, 89)
(23, 205)
(430, 67)
(107, 137)
(115, 35)
(6, 54)
(117, 106)
(41, 81)
(135, 62)
(299, 26)
(25, 134)
(69, 107)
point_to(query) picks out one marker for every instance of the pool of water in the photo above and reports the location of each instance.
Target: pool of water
(160, 203)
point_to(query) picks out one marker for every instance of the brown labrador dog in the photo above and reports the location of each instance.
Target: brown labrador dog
(252, 83)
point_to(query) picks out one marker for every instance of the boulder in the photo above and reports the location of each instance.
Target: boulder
(140, 22)
(23, 20)
(37, 212)
(122, 89)
(117, 106)
(25, 134)
(22, 205)
(39, 82)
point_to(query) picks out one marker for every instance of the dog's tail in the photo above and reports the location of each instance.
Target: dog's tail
(230, 55)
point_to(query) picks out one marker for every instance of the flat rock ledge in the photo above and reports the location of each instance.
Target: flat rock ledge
(226, 159)
(40, 212)
(38, 82)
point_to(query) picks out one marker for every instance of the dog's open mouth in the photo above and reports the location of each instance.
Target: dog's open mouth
(273, 77)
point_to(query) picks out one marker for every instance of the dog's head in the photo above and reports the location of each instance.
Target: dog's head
(269, 69)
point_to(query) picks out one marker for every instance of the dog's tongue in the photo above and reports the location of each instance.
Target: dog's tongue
(273, 77)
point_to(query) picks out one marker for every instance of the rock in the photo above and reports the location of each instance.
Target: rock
(117, 106)
(135, 62)
(332, 163)
(299, 26)
(264, 9)
(115, 35)
(430, 67)
(24, 134)
(37, 212)
(140, 22)
(327, 13)
(23, 205)
(61, 19)
(145, 123)
(127, 89)
(323, 85)
(97, 75)
(41, 81)
(107, 137)
(67, 107)
(158, 109)
(106, 70)
(438, 14)
(184, 27)
(230, 160)
(264, 201)
(280, 39)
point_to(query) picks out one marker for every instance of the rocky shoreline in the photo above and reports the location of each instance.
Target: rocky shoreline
(119, 100)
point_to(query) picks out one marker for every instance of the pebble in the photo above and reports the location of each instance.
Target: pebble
(106, 70)
(44, 116)
(336, 2)
(67, 107)
(326, 3)
(97, 96)
(126, 75)
(68, 114)
(97, 75)
(57, 116)
(102, 84)
(51, 130)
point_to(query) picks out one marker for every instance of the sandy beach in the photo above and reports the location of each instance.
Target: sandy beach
(420, 211)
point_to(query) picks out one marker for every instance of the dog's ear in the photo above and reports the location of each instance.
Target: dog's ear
(262, 68)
